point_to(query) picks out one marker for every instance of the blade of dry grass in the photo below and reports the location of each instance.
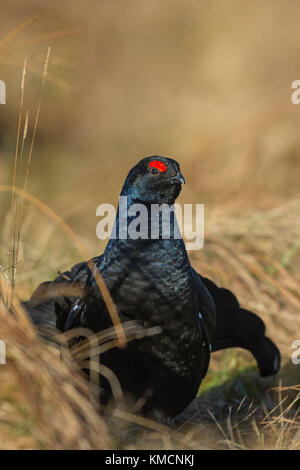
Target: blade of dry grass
(11, 257)
(44, 37)
(15, 32)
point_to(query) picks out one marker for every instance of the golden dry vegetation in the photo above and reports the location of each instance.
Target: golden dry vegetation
(209, 85)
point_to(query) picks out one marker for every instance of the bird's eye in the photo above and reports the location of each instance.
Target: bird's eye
(154, 171)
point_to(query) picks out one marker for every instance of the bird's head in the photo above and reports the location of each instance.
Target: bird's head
(154, 180)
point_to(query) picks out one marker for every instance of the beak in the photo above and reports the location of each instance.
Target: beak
(179, 177)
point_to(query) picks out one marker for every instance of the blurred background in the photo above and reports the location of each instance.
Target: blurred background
(205, 82)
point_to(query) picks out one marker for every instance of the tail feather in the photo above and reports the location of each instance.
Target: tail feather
(244, 329)
(239, 328)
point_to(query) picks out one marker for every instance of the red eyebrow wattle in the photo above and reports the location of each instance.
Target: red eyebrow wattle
(158, 164)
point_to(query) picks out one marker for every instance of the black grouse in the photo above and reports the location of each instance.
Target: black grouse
(153, 283)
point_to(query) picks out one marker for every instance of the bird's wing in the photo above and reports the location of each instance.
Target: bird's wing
(238, 327)
(58, 294)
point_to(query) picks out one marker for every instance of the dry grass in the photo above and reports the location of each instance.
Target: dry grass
(204, 88)
(43, 403)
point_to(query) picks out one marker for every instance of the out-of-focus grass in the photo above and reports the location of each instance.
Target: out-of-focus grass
(43, 403)
(209, 86)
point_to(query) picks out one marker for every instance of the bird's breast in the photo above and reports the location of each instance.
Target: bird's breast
(155, 282)
(156, 287)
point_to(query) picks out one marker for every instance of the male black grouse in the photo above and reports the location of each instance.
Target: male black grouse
(152, 282)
